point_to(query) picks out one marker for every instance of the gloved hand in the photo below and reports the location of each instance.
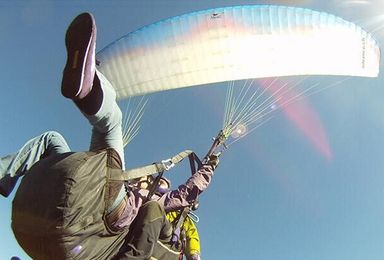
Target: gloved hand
(212, 160)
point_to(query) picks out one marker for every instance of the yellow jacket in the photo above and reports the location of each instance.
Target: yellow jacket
(192, 245)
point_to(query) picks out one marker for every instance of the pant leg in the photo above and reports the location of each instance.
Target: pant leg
(107, 122)
(107, 129)
(15, 165)
(149, 226)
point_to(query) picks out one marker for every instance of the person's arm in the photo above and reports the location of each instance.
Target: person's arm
(134, 199)
(187, 193)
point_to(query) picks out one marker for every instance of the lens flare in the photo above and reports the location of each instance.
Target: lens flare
(239, 131)
(76, 250)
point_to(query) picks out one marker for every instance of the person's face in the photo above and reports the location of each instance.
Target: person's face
(143, 183)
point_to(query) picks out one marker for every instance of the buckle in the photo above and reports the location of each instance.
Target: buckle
(167, 164)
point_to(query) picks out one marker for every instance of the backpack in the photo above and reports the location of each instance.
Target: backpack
(60, 206)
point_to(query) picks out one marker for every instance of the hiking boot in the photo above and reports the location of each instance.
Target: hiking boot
(79, 71)
(3, 192)
(7, 183)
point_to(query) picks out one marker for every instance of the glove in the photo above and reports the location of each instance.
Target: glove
(212, 160)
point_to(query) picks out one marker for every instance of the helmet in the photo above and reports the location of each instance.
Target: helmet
(163, 186)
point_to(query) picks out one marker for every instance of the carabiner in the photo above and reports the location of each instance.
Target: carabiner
(167, 164)
(195, 218)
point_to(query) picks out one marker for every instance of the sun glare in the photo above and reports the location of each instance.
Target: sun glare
(239, 131)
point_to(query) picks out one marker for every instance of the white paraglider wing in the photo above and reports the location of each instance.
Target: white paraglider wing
(234, 43)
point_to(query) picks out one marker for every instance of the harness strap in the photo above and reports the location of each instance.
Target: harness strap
(154, 185)
(119, 175)
(193, 160)
(182, 217)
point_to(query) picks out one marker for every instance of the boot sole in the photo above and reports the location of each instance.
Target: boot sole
(78, 40)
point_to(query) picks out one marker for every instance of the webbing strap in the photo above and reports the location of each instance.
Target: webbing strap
(193, 160)
(182, 217)
(119, 175)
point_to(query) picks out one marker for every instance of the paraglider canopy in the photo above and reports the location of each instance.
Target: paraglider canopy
(232, 43)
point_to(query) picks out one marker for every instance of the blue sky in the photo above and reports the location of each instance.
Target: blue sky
(274, 196)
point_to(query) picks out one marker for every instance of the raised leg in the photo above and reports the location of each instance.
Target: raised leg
(92, 92)
(89, 89)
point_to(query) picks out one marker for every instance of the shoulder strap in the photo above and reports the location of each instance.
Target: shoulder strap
(182, 217)
(119, 175)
